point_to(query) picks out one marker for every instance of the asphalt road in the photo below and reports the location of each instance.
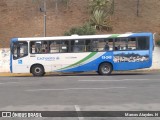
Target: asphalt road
(82, 92)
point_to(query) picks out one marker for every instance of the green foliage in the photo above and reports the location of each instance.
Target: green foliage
(87, 29)
(98, 4)
(100, 20)
(100, 13)
(158, 42)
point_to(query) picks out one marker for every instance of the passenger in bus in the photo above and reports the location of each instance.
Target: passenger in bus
(106, 47)
(45, 50)
(116, 48)
(76, 48)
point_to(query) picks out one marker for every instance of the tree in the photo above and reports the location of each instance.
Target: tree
(99, 4)
(100, 13)
(100, 20)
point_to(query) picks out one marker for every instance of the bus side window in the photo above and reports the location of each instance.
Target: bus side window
(78, 46)
(35, 47)
(64, 46)
(131, 44)
(54, 47)
(45, 48)
(143, 43)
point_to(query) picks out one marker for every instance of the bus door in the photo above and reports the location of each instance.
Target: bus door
(19, 52)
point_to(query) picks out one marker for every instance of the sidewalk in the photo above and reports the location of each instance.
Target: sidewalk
(6, 74)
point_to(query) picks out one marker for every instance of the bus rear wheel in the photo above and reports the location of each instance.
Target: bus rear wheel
(105, 69)
(37, 70)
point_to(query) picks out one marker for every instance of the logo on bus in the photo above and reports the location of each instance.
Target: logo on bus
(19, 61)
(106, 57)
(48, 58)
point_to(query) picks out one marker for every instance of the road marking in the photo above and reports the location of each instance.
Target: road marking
(78, 112)
(34, 90)
(137, 79)
(113, 80)
(9, 83)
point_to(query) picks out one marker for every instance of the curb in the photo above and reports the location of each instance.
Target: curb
(7, 74)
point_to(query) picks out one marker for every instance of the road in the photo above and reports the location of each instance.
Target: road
(81, 92)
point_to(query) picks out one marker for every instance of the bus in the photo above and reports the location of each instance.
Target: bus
(100, 53)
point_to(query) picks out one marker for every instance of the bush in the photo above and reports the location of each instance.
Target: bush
(100, 20)
(99, 5)
(101, 11)
(87, 29)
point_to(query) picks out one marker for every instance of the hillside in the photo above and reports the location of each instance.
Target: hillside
(22, 18)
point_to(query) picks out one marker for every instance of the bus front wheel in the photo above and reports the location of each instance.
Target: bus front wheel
(105, 69)
(37, 70)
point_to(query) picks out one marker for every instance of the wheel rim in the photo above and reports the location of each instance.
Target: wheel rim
(37, 70)
(105, 69)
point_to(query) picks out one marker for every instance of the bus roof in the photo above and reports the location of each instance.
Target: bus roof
(82, 37)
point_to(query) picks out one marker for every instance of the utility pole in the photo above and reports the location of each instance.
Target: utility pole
(44, 3)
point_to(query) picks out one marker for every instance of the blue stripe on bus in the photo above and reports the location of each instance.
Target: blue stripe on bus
(142, 34)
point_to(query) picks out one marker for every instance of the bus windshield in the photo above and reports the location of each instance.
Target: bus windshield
(19, 50)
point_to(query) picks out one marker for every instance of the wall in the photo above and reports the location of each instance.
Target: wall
(156, 59)
(4, 59)
(5, 56)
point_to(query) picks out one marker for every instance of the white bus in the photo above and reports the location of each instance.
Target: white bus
(101, 53)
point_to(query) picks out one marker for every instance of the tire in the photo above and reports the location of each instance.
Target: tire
(105, 69)
(37, 70)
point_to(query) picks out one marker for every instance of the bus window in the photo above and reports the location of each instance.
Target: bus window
(94, 45)
(20, 49)
(131, 45)
(78, 46)
(45, 48)
(142, 43)
(64, 46)
(125, 44)
(121, 43)
(104, 45)
(54, 46)
(108, 44)
(35, 47)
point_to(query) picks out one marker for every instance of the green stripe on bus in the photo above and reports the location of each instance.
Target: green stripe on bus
(84, 59)
(114, 35)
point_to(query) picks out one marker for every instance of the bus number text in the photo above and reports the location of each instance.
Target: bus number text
(106, 57)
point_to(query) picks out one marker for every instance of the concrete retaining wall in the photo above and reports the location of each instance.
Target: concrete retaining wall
(4, 59)
(156, 58)
(5, 56)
